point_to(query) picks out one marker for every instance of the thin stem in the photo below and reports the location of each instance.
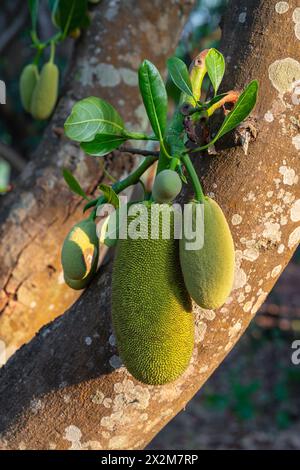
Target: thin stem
(199, 195)
(37, 56)
(130, 180)
(145, 153)
(52, 52)
(139, 136)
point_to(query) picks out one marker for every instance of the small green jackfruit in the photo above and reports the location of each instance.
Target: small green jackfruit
(28, 80)
(209, 271)
(45, 92)
(80, 251)
(167, 186)
(151, 309)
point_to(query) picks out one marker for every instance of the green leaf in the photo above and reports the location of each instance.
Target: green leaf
(214, 100)
(33, 6)
(73, 184)
(102, 144)
(215, 64)
(92, 116)
(154, 96)
(70, 14)
(109, 193)
(241, 110)
(179, 74)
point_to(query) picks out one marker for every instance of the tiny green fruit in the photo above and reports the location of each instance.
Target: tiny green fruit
(167, 186)
(45, 92)
(209, 271)
(28, 80)
(80, 251)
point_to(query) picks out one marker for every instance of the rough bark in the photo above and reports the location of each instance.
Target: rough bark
(67, 388)
(36, 217)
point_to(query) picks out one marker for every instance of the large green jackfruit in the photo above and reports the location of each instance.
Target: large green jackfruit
(80, 250)
(28, 80)
(209, 271)
(167, 186)
(151, 309)
(45, 93)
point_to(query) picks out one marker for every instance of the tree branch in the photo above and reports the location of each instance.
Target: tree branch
(66, 388)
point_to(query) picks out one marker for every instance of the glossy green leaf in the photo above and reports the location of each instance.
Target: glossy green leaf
(154, 96)
(215, 64)
(73, 184)
(102, 144)
(33, 8)
(92, 116)
(179, 74)
(110, 194)
(70, 14)
(214, 100)
(241, 110)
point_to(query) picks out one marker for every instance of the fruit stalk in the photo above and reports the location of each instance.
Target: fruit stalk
(130, 180)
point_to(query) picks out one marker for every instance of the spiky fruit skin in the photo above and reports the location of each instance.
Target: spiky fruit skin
(167, 186)
(28, 80)
(45, 93)
(151, 309)
(209, 272)
(80, 250)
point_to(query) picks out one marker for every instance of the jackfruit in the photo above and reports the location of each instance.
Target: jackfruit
(80, 250)
(209, 271)
(28, 80)
(167, 186)
(82, 283)
(151, 309)
(45, 92)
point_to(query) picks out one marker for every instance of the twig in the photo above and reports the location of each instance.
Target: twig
(13, 157)
(145, 153)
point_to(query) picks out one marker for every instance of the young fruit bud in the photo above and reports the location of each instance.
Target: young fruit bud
(28, 80)
(80, 251)
(45, 93)
(167, 186)
(151, 309)
(208, 271)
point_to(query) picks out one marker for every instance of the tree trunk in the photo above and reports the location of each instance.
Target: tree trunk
(36, 217)
(67, 388)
